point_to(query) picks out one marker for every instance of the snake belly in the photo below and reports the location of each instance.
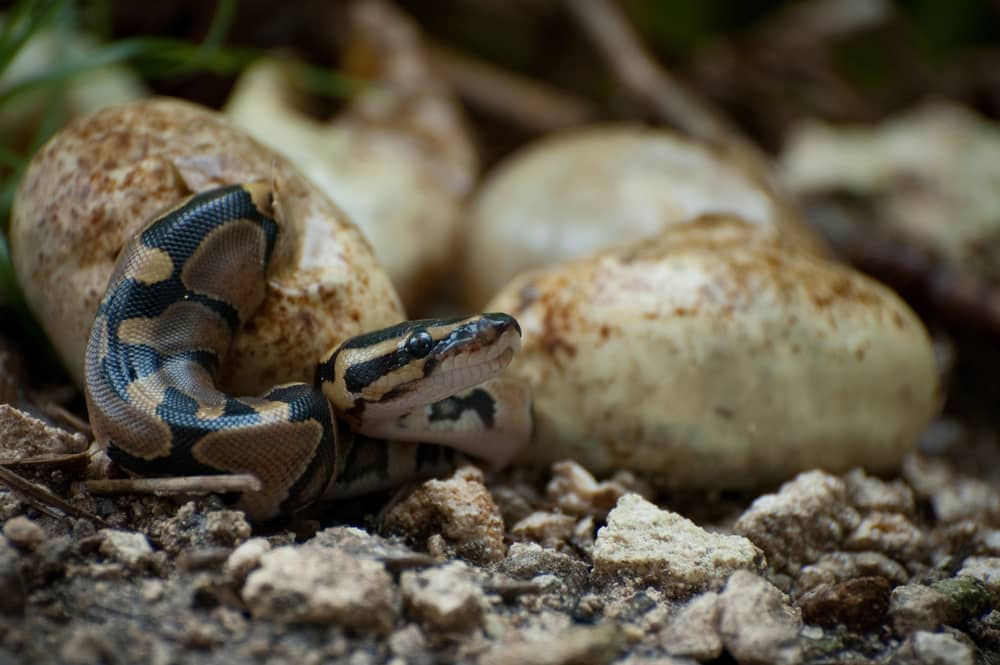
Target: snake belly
(387, 405)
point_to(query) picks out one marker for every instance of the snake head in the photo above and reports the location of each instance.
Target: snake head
(395, 370)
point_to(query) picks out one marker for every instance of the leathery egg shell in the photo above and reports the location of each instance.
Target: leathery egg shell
(106, 176)
(714, 356)
(579, 191)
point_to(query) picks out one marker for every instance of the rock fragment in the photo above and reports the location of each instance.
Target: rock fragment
(889, 533)
(927, 648)
(694, 631)
(126, 547)
(575, 491)
(227, 527)
(859, 604)
(806, 518)
(868, 493)
(526, 561)
(244, 559)
(446, 598)
(756, 622)
(985, 569)
(321, 585)
(593, 645)
(836, 567)
(545, 527)
(23, 436)
(644, 544)
(23, 533)
(459, 510)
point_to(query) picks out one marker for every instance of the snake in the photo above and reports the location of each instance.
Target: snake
(401, 402)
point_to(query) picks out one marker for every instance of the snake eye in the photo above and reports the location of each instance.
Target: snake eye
(419, 344)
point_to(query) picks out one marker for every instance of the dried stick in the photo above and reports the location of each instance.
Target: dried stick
(648, 80)
(526, 102)
(43, 499)
(239, 482)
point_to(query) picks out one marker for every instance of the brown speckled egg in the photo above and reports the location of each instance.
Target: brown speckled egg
(712, 355)
(106, 176)
(577, 192)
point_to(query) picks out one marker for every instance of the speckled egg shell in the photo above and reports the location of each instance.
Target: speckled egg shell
(574, 193)
(713, 356)
(106, 176)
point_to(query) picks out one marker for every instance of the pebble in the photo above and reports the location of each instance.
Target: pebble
(13, 594)
(446, 598)
(889, 533)
(927, 648)
(23, 436)
(575, 491)
(126, 547)
(527, 561)
(859, 604)
(227, 527)
(593, 645)
(23, 533)
(806, 518)
(756, 622)
(407, 641)
(244, 559)
(321, 585)
(459, 510)
(948, 602)
(693, 632)
(868, 493)
(545, 527)
(835, 567)
(983, 568)
(643, 543)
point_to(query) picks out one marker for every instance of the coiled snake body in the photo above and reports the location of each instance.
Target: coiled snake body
(408, 397)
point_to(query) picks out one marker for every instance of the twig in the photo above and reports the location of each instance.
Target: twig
(526, 102)
(61, 414)
(668, 98)
(43, 499)
(239, 482)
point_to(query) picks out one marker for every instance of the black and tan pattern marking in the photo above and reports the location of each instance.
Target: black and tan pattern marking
(181, 290)
(179, 293)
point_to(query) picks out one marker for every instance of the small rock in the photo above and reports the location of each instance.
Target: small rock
(13, 594)
(126, 547)
(407, 641)
(526, 561)
(859, 604)
(867, 493)
(953, 497)
(917, 607)
(967, 597)
(86, 645)
(837, 567)
(446, 598)
(575, 492)
(985, 569)
(808, 517)
(889, 533)
(23, 533)
(23, 436)
(244, 559)
(321, 585)
(545, 527)
(926, 648)
(756, 622)
(227, 527)
(643, 543)
(593, 645)
(459, 509)
(694, 631)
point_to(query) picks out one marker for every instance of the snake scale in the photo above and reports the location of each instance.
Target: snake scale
(387, 405)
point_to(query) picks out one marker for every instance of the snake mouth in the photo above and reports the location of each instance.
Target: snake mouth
(473, 352)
